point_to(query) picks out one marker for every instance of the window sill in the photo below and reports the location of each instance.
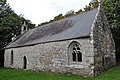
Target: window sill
(75, 66)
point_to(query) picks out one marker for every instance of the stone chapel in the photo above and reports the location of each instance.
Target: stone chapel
(81, 44)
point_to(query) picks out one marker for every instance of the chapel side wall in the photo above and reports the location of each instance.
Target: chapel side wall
(104, 47)
(53, 57)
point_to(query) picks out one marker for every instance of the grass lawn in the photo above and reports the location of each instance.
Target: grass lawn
(12, 74)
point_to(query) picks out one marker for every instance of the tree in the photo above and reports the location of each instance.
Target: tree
(43, 23)
(10, 23)
(60, 16)
(78, 12)
(92, 4)
(69, 13)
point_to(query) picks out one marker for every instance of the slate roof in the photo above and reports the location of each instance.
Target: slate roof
(73, 27)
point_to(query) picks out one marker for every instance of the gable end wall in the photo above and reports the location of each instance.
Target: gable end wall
(104, 46)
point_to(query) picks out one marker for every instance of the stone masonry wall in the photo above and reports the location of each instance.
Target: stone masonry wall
(52, 57)
(104, 47)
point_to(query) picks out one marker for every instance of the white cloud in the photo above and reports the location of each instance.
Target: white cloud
(43, 10)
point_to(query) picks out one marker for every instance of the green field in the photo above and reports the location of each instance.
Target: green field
(12, 74)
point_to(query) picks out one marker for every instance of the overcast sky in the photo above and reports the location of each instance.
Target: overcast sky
(39, 11)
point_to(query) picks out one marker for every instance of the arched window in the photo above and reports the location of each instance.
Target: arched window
(11, 57)
(75, 54)
(24, 62)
